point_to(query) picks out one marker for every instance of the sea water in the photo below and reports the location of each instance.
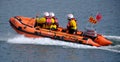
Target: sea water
(17, 48)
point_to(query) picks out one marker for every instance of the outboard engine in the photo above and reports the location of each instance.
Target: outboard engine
(90, 33)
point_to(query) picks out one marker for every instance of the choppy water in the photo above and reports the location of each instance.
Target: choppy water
(17, 48)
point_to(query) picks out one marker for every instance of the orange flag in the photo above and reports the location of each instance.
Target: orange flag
(92, 20)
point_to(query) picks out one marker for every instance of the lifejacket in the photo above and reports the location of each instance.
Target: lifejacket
(50, 23)
(55, 21)
(41, 20)
(53, 27)
(48, 20)
(54, 24)
(70, 24)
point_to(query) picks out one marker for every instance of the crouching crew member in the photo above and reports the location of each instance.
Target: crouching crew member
(54, 21)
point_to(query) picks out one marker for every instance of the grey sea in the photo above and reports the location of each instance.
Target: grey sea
(17, 48)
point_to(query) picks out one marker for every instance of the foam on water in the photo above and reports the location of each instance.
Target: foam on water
(117, 38)
(44, 41)
(47, 41)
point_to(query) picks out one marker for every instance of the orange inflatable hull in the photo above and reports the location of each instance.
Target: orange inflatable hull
(25, 26)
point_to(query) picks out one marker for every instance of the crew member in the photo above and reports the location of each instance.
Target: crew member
(54, 21)
(72, 24)
(43, 21)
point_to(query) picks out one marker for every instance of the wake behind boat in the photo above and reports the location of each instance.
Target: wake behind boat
(26, 26)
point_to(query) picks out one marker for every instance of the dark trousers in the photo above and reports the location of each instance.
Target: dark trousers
(71, 31)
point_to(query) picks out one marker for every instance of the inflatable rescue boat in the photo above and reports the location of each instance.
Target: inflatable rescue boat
(26, 26)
